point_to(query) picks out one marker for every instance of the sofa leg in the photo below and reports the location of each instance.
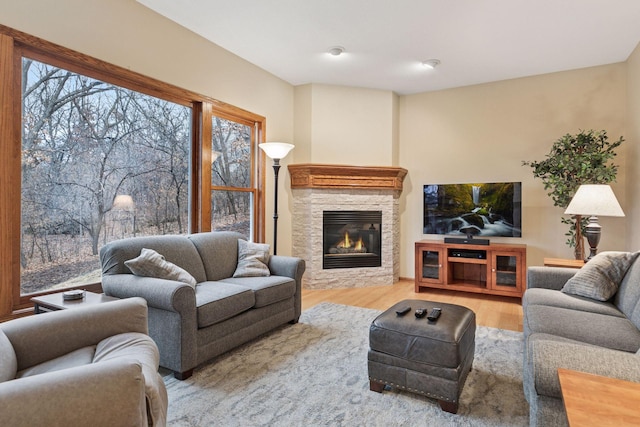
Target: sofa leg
(183, 375)
(294, 321)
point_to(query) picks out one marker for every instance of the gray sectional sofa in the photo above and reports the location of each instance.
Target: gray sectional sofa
(578, 332)
(194, 323)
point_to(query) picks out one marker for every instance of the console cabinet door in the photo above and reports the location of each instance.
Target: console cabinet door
(507, 271)
(430, 265)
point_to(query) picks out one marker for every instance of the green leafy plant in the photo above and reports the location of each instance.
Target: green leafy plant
(584, 158)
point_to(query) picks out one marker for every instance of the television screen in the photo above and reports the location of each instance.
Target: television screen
(490, 209)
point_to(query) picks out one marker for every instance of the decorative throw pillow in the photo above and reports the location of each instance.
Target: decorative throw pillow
(151, 264)
(600, 277)
(253, 259)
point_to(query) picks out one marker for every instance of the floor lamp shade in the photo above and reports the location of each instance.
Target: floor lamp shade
(594, 200)
(276, 151)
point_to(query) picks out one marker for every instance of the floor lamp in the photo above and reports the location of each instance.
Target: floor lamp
(594, 200)
(276, 151)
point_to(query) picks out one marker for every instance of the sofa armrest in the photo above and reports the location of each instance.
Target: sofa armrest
(102, 394)
(546, 356)
(549, 277)
(172, 315)
(293, 267)
(163, 294)
(287, 266)
(43, 337)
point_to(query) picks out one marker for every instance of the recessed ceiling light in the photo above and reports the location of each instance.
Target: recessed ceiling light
(431, 63)
(336, 50)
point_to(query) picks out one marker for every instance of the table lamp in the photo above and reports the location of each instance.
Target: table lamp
(594, 200)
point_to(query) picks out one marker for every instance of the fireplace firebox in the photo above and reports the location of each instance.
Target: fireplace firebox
(351, 239)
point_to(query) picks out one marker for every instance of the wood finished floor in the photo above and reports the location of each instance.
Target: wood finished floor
(492, 311)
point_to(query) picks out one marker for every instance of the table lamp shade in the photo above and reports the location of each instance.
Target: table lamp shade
(594, 200)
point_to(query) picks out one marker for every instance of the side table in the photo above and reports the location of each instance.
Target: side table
(53, 302)
(593, 400)
(559, 262)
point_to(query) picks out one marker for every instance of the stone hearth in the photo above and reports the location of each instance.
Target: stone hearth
(317, 188)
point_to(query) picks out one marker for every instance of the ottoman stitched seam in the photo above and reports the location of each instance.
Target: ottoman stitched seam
(426, 393)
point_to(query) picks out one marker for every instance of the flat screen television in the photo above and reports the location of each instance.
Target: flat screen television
(473, 210)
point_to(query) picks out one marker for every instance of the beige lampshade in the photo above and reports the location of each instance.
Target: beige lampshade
(276, 150)
(594, 200)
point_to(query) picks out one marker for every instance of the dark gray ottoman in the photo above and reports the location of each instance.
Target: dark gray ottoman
(430, 358)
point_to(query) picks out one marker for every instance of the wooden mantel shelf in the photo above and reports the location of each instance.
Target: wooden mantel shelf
(312, 175)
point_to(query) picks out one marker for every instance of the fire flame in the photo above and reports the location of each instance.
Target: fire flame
(348, 243)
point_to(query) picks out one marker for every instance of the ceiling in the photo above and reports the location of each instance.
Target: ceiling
(385, 41)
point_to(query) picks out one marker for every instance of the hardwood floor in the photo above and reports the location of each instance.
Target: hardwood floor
(492, 311)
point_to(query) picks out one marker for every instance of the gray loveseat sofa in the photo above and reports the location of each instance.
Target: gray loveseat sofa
(563, 330)
(194, 324)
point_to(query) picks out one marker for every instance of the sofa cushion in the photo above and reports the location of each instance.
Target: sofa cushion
(253, 259)
(219, 252)
(8, 361)
(617, 333)
(152, 264)
(218, 301)
(553, 298)
(600, 277)
(178, 250)
(81, 356)
(267, 289)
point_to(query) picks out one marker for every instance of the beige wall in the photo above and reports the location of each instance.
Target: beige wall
(125, 33)
(633, 150)
(483, 133)
(346, 125)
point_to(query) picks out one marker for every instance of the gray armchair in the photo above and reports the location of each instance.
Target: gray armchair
(86, 366)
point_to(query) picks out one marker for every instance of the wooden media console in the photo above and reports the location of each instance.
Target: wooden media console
(497, 268)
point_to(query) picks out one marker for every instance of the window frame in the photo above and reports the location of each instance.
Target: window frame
(13, 46)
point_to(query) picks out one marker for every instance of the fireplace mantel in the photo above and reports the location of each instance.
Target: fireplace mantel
(313, 175)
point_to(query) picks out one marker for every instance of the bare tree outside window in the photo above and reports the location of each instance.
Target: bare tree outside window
(99, 162)
(232, 196)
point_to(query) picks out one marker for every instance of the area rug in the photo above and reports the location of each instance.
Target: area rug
(314, 373)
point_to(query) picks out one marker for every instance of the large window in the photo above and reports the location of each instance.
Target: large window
(99, 162)
(91, 152)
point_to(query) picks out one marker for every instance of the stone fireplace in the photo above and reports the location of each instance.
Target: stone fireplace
(346, 224)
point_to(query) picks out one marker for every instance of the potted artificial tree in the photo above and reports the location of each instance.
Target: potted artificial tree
(584, 158)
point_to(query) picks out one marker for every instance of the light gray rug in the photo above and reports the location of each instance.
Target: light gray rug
(314, 373)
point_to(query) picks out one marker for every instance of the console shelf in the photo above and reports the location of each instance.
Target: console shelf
(497, 269)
